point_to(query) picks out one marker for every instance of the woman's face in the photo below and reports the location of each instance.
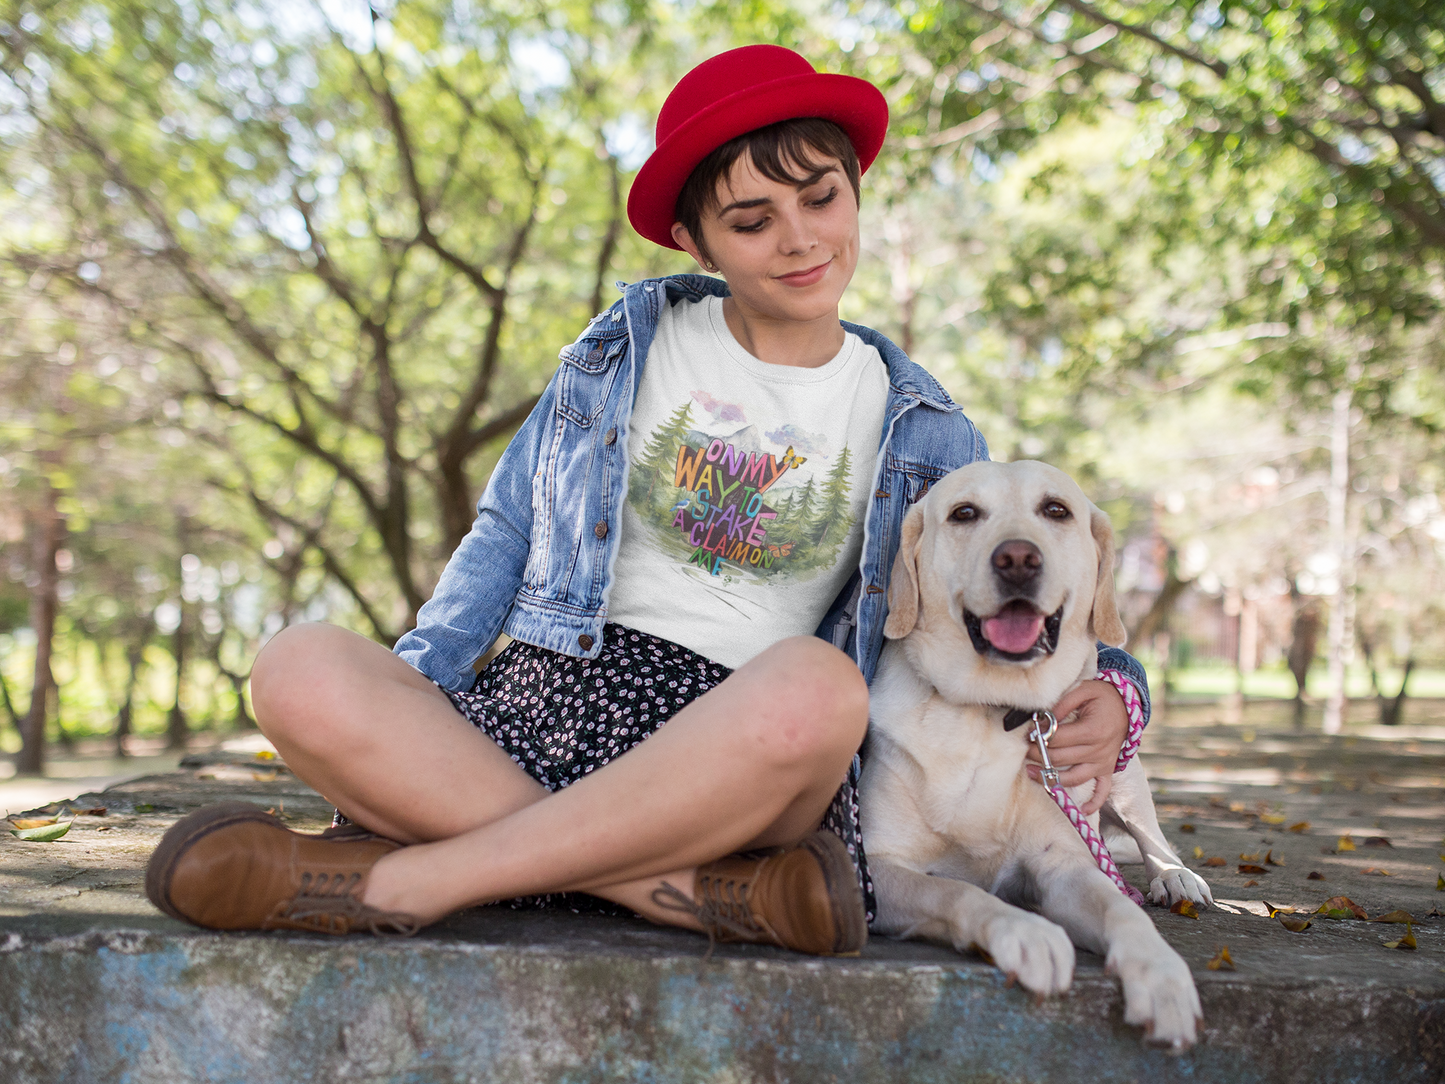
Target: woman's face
(787, 252)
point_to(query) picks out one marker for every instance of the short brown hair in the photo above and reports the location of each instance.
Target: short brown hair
(776, 151)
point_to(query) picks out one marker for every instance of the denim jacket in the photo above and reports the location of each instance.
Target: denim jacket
(537, 563)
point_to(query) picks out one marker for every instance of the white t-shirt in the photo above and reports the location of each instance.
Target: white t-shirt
(748, 487)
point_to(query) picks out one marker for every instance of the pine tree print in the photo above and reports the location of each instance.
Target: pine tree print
(653, 470)
(833, 519)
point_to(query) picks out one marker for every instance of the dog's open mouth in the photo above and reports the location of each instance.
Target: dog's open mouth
(1019, 631)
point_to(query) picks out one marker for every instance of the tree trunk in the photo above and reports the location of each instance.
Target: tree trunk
(176, 729)
(134, 652)
(1342, 611)
(1304, 640)
(48, 532)
(1156, 618)
(1392, 709)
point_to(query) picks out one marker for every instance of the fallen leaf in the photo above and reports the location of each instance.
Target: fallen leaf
(1345, 844)
(1186, 827)
(1249, 857)
(1236, 807)
(1294, 925)
(46, 834)
(98, 811)
(265, 754)
(263, 777)
(1250, 884)
(1377, 841)
(1406, 942)
(1439, 883)
(1314, 875)
(1214, 860)
(1271, 860)
(1185, 908)
(1394, 916)
(1250, 867)
(1341, 907)
(1222, 959)
(1375, 871)
(32, 822)
(1302, 826)
(103, 828)
(1198, 852)
(1273, 910)
(1272, 819)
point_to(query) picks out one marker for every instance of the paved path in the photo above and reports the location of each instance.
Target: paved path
(94, 984)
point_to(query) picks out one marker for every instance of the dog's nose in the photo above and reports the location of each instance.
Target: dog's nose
(1016, 562)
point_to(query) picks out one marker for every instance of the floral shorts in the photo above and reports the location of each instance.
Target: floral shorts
(560, 717)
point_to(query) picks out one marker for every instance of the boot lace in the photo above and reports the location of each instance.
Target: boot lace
(325, 902)
(724, 909)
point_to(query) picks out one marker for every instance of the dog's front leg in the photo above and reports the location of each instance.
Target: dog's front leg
(1024, 946)
(1159, 993)
(1131, 807)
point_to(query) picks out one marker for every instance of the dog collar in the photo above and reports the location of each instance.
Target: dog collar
(1017, 717)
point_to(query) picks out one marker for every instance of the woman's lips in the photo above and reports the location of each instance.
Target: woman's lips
(808, 277)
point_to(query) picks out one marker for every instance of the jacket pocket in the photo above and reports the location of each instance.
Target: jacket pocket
(913, 479)
(588, 369)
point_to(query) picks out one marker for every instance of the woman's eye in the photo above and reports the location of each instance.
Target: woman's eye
(750, 227)
(964, 513)
(823, 201)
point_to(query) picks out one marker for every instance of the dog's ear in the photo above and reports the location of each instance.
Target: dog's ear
(903, 596)
(1105, 618)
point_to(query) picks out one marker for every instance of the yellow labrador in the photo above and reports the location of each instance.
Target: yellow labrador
(1002, 585)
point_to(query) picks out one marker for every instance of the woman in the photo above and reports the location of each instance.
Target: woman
(694, 527)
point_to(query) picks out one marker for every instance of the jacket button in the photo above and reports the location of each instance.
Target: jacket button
(611, 437)
(594, 354)
(601, 529)
(584, 642)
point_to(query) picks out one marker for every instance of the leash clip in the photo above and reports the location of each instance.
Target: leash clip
(1040, 737)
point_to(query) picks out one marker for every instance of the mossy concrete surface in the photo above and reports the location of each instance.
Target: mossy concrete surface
(96, 986)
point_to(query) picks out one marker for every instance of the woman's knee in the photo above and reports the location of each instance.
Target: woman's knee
(814, 703)
(294, 674)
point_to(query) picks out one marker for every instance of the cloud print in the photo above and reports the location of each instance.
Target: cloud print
(801, 439)
(723, 412)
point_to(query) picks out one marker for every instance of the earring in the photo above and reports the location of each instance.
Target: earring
(710, 267)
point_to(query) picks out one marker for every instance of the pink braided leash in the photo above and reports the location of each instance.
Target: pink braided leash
(1134, 706)
(1097, 847)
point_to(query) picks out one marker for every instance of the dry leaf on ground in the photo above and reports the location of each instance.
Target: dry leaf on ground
(1214, 860)
(1272, 818)
(1302, 826)
(1249, 857)
(1271, 860)
(1378, 841)
(1439, 883)
(1314, 875)
(1293, 925)
(1375, 871)
(1406, 942)
(1341, 907)
(1185, 908)
(1186, 827)
(24, 823)
(265, 754)
(1345, 843)
(1222, 959)
(1273, 910)
(1394, 916)
(1250, 867)
(1198, 852)
(44, 834)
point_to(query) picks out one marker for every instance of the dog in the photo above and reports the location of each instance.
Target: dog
(1002, 586)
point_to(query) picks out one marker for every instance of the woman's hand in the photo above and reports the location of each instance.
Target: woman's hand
(1087, 746)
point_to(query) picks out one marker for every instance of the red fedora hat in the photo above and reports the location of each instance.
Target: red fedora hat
(734, 93)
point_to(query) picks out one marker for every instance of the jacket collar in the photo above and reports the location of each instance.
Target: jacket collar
(906, 376)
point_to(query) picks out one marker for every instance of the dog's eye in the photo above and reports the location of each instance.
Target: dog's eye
(1056, 510)
(964, 513)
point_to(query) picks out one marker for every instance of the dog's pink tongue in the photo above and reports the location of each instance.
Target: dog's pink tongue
(1014, 629)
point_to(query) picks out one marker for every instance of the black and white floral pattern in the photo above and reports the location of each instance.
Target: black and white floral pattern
(561, 717)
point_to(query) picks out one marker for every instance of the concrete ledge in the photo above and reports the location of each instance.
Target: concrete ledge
(518, 997)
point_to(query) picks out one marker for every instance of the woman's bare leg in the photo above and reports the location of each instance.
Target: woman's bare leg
(753, 762)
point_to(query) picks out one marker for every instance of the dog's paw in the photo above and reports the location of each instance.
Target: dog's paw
(1159, 994)
(1171, 884)
(1030, 949)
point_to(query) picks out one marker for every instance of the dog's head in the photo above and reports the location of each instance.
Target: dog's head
(1003, 582)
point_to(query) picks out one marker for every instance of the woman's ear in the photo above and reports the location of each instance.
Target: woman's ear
(903, 594)
(684, 239)
(1105, 616)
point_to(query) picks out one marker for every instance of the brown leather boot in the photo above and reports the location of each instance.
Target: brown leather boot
(804, 897)
(232, 866)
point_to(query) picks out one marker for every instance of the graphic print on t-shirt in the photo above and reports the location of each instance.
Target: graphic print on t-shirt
(733, 501)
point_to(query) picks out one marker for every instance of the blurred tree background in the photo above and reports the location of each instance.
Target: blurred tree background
(278, 282)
